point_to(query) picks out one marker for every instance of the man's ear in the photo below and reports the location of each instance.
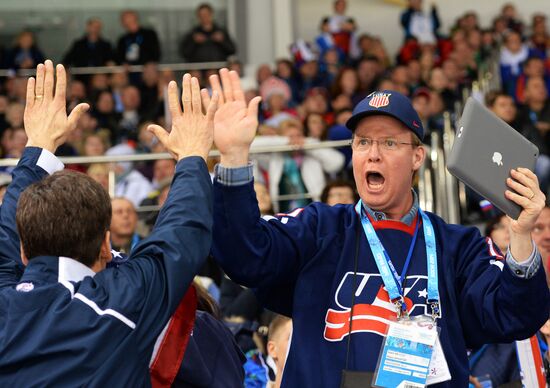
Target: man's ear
(419, 155)
(272, 349)
(24, 258)
(105, 253)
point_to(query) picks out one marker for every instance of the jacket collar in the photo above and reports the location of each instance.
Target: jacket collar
(53, 269)
(407, 218)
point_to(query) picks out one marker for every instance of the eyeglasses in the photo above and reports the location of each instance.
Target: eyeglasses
(362, 144)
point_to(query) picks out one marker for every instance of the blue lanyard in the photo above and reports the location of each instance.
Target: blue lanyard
(543, 345)
(474, 357)
(392, 281)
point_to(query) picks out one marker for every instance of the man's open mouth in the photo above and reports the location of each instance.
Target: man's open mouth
(375, 180)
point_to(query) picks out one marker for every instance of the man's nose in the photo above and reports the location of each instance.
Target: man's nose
(374, 151)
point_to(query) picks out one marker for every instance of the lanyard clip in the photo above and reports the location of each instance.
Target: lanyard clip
(401, 308)
(436, 311)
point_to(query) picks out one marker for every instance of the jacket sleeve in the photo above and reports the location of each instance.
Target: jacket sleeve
(256, 252)
(34, 165)
(148, 289)
(495, 305)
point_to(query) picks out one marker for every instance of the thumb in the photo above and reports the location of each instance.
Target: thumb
(160, 133)
(76, 114)
(253, 107)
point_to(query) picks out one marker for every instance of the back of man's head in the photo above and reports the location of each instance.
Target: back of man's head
(66, 214)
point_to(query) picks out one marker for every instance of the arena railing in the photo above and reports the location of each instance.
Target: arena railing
(437, 189)
(119, 69)
(80, 160)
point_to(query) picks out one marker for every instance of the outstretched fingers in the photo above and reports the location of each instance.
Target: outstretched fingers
(253, 107)
(205, 97)
(212, 106)
(60, 85)
(31, 83)
(39, 89)
(48, 81)
(217, 87)
(238, 93)
(196, 96)
(76, 114)
(160, 133)
(186, 93)
(226, 84)
(173, 100)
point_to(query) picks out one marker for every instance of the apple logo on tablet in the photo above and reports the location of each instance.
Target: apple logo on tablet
(497, 158)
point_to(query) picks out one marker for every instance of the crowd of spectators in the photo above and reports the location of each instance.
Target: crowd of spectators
(306, 98)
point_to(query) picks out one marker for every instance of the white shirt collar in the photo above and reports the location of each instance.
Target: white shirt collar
(72, 270)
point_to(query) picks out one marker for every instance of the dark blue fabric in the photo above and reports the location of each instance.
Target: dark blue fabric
(212, 358)
(499, 362)
(303, 267)
(25, 174)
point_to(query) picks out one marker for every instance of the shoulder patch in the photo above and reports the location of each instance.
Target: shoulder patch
(24, 287)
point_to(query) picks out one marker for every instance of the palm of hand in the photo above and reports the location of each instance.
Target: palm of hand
(233, 127)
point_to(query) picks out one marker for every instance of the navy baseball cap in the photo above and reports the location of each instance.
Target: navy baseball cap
(389, 103)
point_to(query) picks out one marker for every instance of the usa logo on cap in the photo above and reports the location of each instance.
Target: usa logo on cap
(379, 100)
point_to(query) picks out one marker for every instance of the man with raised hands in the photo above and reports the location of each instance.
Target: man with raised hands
(346, 273)
(68, 321)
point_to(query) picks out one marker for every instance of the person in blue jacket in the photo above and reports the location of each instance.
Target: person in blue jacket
(65, 320)
(316, 264)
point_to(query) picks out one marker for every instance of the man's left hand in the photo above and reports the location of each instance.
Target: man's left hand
(527, 194)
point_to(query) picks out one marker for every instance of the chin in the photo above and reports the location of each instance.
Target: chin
(375, 201)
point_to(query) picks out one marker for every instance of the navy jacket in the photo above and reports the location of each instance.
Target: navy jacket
(212, 358)
(302, 265)
(63, 325)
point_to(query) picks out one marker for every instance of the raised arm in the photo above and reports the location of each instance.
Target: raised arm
(151, 285)
(515, 303)
(47, 126)
(253, 252)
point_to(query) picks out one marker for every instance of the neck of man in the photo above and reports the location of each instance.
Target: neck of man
(98, 266)
(398, 212)
(402, 212)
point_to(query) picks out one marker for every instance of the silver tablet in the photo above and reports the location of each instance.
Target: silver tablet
(485, 150)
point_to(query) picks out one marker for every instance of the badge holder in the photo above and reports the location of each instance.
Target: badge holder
(406, 354)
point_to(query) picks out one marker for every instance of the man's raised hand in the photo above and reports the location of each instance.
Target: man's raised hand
(192, 132)
(235, 124)
(45, 119)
